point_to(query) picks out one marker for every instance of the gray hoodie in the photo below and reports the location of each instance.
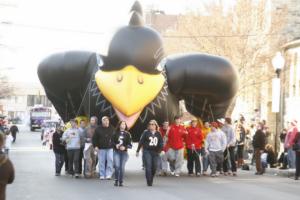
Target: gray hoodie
(216, 141)
(228, 130)
(73, 138)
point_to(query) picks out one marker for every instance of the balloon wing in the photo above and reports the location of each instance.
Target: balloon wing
(207, 83)
(65, 77)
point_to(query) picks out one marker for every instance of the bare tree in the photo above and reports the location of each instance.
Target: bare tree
(6, 89)
(248, 34)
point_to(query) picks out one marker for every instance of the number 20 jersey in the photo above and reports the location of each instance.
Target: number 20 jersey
(151, 141)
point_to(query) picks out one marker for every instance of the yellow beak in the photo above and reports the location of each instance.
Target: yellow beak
(129, 90)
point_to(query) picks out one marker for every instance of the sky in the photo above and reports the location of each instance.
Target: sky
(30, 30)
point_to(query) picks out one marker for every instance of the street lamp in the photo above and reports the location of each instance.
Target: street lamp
(278, 64)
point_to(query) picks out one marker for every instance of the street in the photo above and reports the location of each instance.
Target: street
(35, 180)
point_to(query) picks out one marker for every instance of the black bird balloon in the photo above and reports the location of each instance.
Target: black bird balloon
(135, 82)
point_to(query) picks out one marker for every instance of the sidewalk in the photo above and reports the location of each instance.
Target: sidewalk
(281, 172)
(276, 171)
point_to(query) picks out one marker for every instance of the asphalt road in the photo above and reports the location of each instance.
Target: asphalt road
(35, 180)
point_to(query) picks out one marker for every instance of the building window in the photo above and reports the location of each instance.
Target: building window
(38, 99)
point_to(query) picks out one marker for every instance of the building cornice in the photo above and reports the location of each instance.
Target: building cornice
(291, 45)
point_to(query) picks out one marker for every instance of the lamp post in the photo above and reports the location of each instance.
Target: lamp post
(278, 64)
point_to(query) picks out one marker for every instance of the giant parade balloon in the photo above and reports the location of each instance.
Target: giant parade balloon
(135, 82)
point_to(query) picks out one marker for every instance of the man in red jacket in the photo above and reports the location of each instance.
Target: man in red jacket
(194, 141)
(176, 136)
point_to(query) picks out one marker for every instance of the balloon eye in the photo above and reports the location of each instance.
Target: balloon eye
(119, 77)
(140, 79)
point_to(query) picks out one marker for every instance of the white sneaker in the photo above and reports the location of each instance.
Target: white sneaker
(217, 174)
(177, 175)
(102, 178)
(77, 175)
(108, 178)
(173, 173)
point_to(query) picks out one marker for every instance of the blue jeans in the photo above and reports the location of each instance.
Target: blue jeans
(120, 159)
(105, 156)
(59, 162)
(291, 158)
(150, 158)
(264, 165)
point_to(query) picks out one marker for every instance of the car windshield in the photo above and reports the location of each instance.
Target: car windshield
(40, 114)
(50, 124)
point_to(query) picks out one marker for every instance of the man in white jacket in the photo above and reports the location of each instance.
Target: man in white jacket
(229, 151)
(216, 143)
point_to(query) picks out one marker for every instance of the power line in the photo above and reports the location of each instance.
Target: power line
(8, 5)
(165, 36)
(220, 36)
(51, 28)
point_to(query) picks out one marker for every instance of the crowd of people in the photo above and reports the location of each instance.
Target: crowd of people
(221, 145)
(92, 145)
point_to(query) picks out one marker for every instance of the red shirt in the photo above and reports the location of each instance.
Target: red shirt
(163, 133)
(176, 136)
(195, 137)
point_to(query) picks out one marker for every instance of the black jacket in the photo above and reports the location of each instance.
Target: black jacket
(58, 146)
(14, 129)
(150, 141)
(102, 137)
(122, 138)
(259, 140)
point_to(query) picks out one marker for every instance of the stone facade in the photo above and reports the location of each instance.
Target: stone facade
(24, 97)
(291, 82)
(291, 31)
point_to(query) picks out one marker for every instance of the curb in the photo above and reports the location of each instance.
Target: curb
(276, 171)
(281, 172)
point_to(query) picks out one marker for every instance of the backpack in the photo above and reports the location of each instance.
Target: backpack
(246, 167)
